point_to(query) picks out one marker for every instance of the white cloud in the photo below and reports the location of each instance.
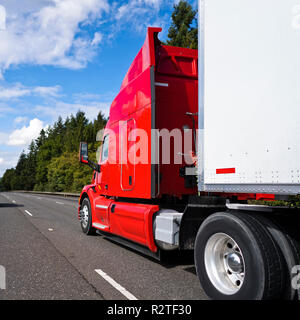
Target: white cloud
(53, 31)
(13, 92)
(5, 109)
(24, 6)
(2, 18)
(25, 135)
(19, 120)
(47, 91)
(140, 14)
(97, 39)
(87, 97)
(63, 109)
(1, 160)
(50, 34)
(133, 9)
(3, 137)
(18, 90)
(155, 3)
(10, 159)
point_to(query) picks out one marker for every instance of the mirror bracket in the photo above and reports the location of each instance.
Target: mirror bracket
(95, 166)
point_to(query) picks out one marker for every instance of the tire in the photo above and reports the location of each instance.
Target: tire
(236, 258)
(86, 217)
(290, 250)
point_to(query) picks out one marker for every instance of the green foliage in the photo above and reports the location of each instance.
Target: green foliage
(183, 31)
(292, 202)
(65, 173)
(7, 180)
(51, 163)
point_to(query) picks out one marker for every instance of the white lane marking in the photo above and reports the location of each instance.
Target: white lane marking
(117, 286)
(28, 213)
(58, 202)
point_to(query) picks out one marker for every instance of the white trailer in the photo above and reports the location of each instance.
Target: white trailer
(248, 142)
(249, 96)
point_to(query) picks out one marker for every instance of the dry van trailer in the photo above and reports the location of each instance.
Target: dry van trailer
(249, 97)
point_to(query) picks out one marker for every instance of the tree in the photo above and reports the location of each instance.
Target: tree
(51, 162)
(183, 31)
(7, 180)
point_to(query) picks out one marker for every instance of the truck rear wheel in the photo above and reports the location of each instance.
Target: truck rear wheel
(237, 258)
(290, 251)
(86, 217)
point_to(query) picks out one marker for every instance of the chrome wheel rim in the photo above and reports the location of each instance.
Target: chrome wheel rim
(224, 263)
(85, 216)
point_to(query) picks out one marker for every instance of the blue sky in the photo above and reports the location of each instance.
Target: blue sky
(59, 56)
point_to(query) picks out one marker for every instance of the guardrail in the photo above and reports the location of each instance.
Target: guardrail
(60, 194)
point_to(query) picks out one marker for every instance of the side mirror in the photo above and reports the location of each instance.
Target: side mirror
(83, 152)
(84, 157)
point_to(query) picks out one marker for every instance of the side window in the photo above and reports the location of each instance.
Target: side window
(104, 155)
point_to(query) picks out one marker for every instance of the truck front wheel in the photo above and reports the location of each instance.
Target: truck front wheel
(236, 258)
(86, 217)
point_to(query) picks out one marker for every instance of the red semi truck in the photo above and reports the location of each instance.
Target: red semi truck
(170, 178)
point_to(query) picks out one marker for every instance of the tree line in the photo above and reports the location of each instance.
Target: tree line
(51, 161)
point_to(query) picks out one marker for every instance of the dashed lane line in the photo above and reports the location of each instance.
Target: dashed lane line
(117, 286)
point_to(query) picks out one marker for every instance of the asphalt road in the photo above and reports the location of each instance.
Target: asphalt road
(46, 256)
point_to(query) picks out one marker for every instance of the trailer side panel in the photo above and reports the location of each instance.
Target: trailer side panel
(249, 96)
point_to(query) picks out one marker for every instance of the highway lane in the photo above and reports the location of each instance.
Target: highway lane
(35, 269)
(39, 232)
